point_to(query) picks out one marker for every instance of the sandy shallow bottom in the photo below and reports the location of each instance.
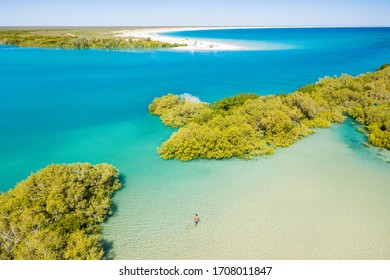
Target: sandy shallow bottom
(326, 197)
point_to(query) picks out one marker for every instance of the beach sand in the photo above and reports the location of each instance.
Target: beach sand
(190, 44)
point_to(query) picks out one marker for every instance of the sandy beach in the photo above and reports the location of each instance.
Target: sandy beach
(156, 33)
(190, 44)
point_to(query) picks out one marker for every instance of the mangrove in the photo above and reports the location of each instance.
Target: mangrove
(76, 39)
(55, 214)
(248, 125)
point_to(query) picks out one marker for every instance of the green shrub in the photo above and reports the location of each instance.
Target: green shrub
(55, 213)
(246, 125)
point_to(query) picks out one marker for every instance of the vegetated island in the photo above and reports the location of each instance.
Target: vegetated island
(55, 213)
(77, 38)
(248, 125)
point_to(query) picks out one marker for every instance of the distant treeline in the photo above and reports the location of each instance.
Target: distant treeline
(27, 38)
(247, 125)
(55, 214)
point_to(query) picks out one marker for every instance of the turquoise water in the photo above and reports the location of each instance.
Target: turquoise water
(314, 39)
(324, 197)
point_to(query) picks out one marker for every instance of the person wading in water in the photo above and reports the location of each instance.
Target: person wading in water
(196, 219)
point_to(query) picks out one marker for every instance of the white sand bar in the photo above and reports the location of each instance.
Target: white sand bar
(190, 44)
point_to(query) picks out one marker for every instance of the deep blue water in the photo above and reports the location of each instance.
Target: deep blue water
(61, 105)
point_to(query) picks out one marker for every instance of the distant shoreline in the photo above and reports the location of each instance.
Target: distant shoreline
(119, 27)
(154, 33)
(190, 43)
(141, 37)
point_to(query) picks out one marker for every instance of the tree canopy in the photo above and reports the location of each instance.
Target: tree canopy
(247, 125)
(55, 213)
(31, 38)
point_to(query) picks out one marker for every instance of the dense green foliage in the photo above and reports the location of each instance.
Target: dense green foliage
(247, 124)
(29, 38)
(55, 213)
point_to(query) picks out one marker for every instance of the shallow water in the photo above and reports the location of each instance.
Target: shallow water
(319, 199)
(324, 197)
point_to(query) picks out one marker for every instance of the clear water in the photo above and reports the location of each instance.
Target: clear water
(324, 197)
(313, 39)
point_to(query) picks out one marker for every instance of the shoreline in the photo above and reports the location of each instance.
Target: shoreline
(190, 43)
(154, 33)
